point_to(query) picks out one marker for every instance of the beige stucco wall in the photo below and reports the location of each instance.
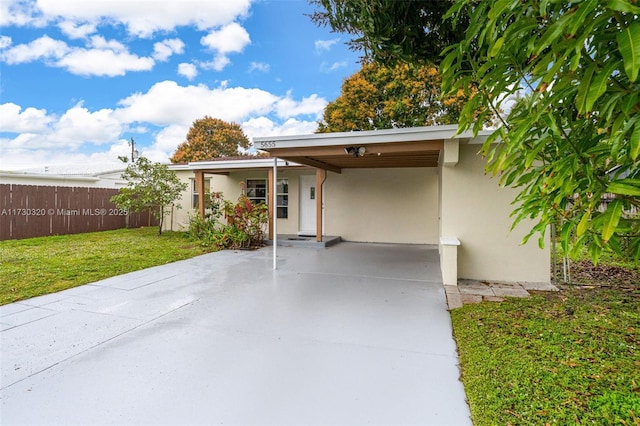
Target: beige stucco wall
(476, 211)
(230, 187)
(397, 205)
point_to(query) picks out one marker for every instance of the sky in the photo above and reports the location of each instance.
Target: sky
(80, 78)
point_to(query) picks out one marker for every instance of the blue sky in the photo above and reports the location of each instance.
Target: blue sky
(79, 78)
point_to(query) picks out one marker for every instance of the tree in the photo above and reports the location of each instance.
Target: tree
(574, 135)
(380, 97)
(391, 30)
(211, 138)
(150, 186)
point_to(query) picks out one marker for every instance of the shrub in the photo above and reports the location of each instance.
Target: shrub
(244, 227)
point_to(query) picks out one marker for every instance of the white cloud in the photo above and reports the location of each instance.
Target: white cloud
(263, 126)
(231, 38)
(312, 105)
(259, 66)
(103, 62)
(141, 18)
(77, 30)
(102, 57)
(190, 71)
(169, 103)
(5, 41)
(325, 67)
(218, 63)
(31, 120)
(78, 124)
(43, 48)
(325, 45)
(164, 49)
(17, 12)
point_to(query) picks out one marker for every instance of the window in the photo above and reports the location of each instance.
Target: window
(195, 198)
(257, 190)
(282, 192)
(257, 193)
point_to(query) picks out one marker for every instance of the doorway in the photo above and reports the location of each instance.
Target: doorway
(307, 223)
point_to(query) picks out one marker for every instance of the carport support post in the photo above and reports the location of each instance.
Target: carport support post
(321, 176)
(200, 189)
(274, 195)
(270, 190)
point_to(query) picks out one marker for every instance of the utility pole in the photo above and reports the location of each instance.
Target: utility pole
(134, 151)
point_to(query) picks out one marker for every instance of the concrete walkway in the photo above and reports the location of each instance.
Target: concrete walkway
(354, 334)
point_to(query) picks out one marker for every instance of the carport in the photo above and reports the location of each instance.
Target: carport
(469, 214)
(423, 147)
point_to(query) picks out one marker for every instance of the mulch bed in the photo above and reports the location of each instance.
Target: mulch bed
(586, 273)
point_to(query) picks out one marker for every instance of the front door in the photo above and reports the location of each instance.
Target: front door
(307, 206)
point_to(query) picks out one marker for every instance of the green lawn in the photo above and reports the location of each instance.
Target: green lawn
(571, 357)
(37, 266)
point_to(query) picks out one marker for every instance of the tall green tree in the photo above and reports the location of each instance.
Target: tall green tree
(150, 186)
(211, 138)
(381, 97)
(388, 30)
(574, 135)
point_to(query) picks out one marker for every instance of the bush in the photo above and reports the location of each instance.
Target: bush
(244, 228)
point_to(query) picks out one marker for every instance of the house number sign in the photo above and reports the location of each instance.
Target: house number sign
(267, 144)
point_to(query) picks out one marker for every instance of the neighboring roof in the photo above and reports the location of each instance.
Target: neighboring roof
(405, 147)
(48, 176)
(71, 170)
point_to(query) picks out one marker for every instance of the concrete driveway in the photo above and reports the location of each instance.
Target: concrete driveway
(353, 334)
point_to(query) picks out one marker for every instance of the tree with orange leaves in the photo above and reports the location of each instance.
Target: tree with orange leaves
(211, 138)
(384, 97)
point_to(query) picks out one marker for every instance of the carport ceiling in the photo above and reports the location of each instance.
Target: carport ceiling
(377, 155)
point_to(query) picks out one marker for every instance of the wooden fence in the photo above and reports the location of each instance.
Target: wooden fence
(28, 211)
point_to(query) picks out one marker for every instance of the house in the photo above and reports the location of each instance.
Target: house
(422, 185)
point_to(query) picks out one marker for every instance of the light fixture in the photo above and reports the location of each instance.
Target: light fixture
(355, 151)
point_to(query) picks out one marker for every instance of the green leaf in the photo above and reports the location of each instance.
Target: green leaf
(496, 47)
(629, 46)
(583, 90)
(584, 223)
(599, 86)
(623, 6)
(630, 187)
(554, 31)
(634, 142)
(580, 16)
(612, 217)
(595, 251)
(565, 235)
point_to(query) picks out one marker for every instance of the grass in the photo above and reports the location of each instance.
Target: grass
(571, 357)
(37, 266)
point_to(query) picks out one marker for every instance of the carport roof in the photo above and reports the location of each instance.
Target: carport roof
(406, 147)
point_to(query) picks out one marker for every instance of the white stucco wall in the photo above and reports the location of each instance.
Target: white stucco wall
(476, 211)
(396, 205)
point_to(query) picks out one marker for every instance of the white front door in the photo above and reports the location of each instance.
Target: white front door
(307, 206)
